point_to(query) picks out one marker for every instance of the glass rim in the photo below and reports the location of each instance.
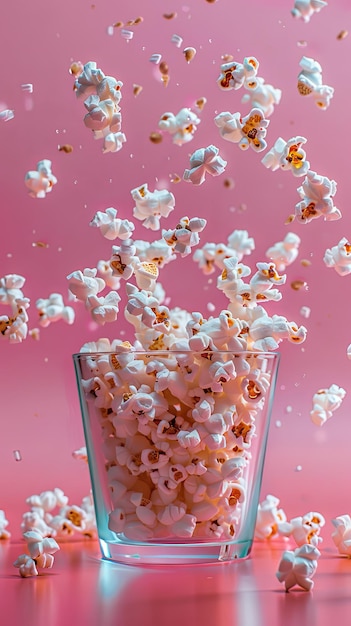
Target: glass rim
(235, 353)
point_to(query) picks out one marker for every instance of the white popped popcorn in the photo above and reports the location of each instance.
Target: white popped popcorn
(150, 206)
(310, 83)
(339, 257)
(84, 284)
(263, 97)
(4, 534)
(325, 402)
(41, 551)
(236, 75)
(283, 253)
(268, 517)
(52, 309)
(7, 114)
(185, 235)
(202, 161)
(287, 155)
(248, 131)
(112, 226)
(304, 9)
(317, 193)
(298, 567)
(342, 534)
(303, 529)
(181, 126)
(40, 181)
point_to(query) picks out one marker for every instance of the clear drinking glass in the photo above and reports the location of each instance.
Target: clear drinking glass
(176, 443)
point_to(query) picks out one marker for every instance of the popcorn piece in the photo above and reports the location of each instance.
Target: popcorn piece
(263, 97)
(304, 9)
(113, 142)
(268, 517)
(7, 114)
(287, 155)
(202, 161)
(298, 567)
(303, 529)
(316, 194)
(181, 126)
(112, 226)
(105, 308)
(123, 259)
(325, 402)
(247, 131)
(102, 114)
(342, 534)
(41, 181)
(284, 252)
(85, 284)
(236, 75)
(305, 311)
(339, 257)
(87, 80)
(185, 235)
(41, 552)
(177, 40)
(52, 309)
(4, 534)
(309, 83)
(151, 206)
(189, 53)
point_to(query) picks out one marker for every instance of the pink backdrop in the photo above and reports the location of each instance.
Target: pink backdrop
(307, 466)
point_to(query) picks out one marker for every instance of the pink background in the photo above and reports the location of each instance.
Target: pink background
(39, 404)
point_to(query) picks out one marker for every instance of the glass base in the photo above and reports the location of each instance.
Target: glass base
(141, 554)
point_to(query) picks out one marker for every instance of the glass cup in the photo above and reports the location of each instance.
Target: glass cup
(176, 443)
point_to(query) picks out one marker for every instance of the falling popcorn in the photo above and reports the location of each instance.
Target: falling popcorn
(283, 253)
(287, 155)
(236, 75)
(325, 402)
(263, 97)
(181, 126)
(248, 131)
(309, 83)
(317, 199)
(40, 181)
(304, 9)
(202, 161)
(339, 257)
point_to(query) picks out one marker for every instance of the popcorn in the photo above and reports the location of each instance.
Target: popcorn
(325, 402)
(87, 80)
(283, 253)
(303, 529)
(309, 83)
(52, 309)
(181, 126)
(204, 160)
(263, 97)
(104, 308)
(41, 551)
(185, 235)
(342, 534)
(236, 75)
(85, 284)
(287, 155)
(112, 226)
(151, 206)
(268, 517)
(4, 534)
(7, 114)
(316, 194)
(113, 142)
(304, 9)
(298, 567)
(40, 181)
(101, 114)
(339, 257)
(247, 131)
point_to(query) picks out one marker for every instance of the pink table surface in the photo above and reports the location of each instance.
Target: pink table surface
(83, 589)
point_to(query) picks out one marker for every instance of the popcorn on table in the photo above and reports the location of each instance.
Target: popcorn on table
(202, 161)
(298, 567)
(317, 193)
(150, 206)
(4, 534)
(41, 551)
(263, 97)
(40, 181)
(342, 534)
(52, 309)
(268, 518)
(236, 75)
(248, 131)
(112, 226)
(339, 257)
(310, 83)
(287, 155)
(304, 9)
(325, 402)
(181, 126)
(303, 529)
(283, 253)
